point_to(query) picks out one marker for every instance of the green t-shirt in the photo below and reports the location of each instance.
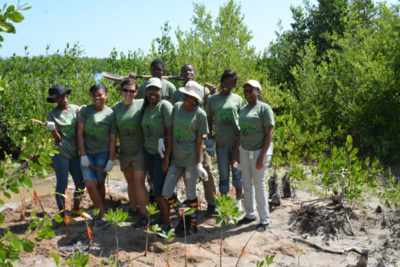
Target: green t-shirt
(252, 122)
(127, 123)
(177, 96)
(187, 126)
(154, 122)
(225, 112)
(66, 126)
(167, 90)
(98, 126)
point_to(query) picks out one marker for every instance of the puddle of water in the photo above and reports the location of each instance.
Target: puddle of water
(47, 185)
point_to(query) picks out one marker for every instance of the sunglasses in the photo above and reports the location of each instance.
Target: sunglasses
(128, 91)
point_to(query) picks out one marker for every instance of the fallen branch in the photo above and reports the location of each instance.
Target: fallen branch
(348, 220)
(244, 248)
(340, 252)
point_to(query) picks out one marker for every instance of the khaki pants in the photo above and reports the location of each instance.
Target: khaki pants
(209, 186)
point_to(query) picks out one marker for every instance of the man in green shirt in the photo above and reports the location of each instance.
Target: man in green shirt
(157, 69)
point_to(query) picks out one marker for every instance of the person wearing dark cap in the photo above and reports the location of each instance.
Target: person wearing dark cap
(61, 122)
(256, 121)
(157, 69)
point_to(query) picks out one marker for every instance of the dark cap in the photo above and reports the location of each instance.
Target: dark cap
(56, 91)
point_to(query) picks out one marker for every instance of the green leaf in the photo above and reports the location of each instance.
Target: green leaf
(2, 218)
(27, 182)
(28, 245)
(55, 257)
(2, 254)
(17, 17)
(17, 245)
(27, 8)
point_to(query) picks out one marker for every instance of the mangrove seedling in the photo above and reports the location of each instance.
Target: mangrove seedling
(117, 218)
(227, 211)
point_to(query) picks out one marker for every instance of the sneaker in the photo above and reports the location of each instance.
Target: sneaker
(81, 213)
(261, 227)
(141, 222)
(211, 211)
(245, 220)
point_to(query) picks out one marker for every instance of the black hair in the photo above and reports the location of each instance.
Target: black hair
(129, 81)
(96, 87)
(156, 62)
(229, 74)
(186, 65)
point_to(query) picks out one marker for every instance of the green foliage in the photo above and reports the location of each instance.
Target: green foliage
(9, 15)
(346, 176)
(117, 218)
(267, 260)
(168, 237)
(78, 260)
(227, 210)
(390, 195)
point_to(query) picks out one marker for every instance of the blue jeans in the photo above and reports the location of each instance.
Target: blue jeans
(98, 161)
(224, 160)
(153, 166)
(61, 167)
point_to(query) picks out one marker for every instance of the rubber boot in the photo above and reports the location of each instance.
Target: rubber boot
(189, 225)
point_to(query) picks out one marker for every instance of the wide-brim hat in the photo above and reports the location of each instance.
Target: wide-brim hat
(56, 91)
(253, 83)
(192, 88)
(154, 81)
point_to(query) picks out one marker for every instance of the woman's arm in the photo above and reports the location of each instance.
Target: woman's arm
(236, 152)
(79, 138)
(112, 147)
(269, 132)
(199, 148)
(168, 150)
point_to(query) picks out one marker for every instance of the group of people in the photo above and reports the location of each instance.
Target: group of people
(161, 132)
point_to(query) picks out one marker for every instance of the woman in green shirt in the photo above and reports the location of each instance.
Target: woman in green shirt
(127, 115)
(256, 121)
(61, 121)
(96, 144)
(189, 126)
(157, 127)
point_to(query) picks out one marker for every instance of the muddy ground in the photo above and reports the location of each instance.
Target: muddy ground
(306, 216)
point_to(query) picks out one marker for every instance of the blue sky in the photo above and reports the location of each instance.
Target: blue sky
(99, 26)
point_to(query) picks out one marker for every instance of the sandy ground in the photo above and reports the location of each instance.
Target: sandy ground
(379, 233)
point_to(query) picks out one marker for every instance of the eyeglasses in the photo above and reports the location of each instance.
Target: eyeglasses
(128, 91)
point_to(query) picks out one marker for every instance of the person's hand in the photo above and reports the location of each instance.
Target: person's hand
(260, 162)
(235, 164)
(85, 162)
(161, 147)
(50, 125)
(212, 87)
(108, 166)
(132, 75)
(202, 171)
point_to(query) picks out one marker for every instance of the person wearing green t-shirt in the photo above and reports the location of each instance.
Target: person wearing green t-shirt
(189, 126)
(61, 121)
(223, 112)
(157, 69)
(96, 144)
(127, 117)
(188, 74)
(256, 121)
(157, 127)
